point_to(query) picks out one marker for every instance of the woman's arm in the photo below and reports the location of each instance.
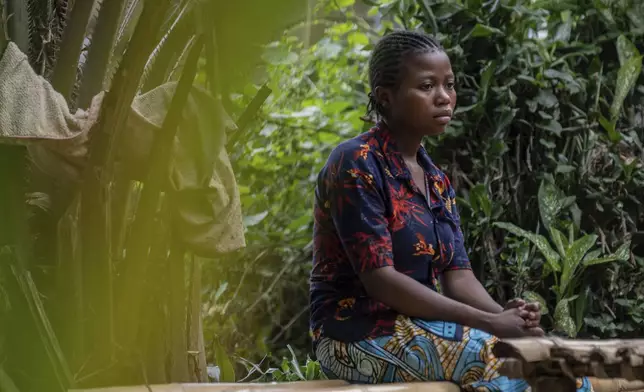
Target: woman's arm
(413, 299)
(461, 285)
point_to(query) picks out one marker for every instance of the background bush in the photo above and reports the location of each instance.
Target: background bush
(549, 126)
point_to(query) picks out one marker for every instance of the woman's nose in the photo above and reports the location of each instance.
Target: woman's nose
(442, 97)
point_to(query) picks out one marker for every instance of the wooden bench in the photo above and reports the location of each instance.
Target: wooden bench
(317, 386)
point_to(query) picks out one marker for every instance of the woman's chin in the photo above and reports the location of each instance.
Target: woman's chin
(436, 129)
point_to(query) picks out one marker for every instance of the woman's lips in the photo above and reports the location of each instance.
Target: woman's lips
(443, 119)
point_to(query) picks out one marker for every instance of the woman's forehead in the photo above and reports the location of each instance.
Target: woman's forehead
(429, 63)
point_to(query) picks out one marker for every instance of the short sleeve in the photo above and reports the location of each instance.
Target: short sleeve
(460, 259)
(349, 186)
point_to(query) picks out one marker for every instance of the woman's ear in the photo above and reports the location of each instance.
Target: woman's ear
(382, 96)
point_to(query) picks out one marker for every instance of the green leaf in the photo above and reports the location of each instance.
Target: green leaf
(480, 201)
(486, 77)
(599, 260)
(625, 50)
(626, 78)
(580, 308)
(565, 169)
(481, 30)
(553, 126)
(563, 320)
(312, 368)
(538, 240)
(610, 127)
(344, 3)
(295, 365)
(558, 238)
(623, 253)
(531, 296)
(593, 254)
(227, 371)
(578, 249)
(551, 201)
(574, 255)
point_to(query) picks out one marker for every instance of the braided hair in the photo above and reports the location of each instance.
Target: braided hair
(387, 60)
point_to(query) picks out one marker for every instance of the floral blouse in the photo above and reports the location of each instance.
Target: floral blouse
(369, 214)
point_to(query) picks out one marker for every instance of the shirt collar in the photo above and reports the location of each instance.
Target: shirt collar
(387, 144)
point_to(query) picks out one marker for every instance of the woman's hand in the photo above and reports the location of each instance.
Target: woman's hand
(512, 324)
(530, 312)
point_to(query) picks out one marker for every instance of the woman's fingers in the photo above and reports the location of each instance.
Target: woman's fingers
(514, 303)
(533, 306)
(532, 323)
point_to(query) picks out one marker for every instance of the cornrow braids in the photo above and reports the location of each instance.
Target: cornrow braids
(387, 59)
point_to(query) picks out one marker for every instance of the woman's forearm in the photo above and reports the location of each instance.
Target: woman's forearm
(462, 286)
(411, 298)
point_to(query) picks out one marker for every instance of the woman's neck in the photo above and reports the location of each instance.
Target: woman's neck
(408, 143)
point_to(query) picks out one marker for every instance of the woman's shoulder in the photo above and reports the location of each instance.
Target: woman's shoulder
(360, 151)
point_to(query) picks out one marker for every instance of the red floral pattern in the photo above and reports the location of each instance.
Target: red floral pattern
(369, 214)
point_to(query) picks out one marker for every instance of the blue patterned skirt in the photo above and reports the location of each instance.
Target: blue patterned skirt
(423, 351)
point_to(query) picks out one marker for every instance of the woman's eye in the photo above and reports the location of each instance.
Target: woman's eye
(451, 85)
(426, 86)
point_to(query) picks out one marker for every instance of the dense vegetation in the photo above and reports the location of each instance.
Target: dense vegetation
(547, 146)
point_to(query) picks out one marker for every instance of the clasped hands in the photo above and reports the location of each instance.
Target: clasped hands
(518, 319)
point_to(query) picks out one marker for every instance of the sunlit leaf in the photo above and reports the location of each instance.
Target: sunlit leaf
(599, 260)
(538, 240)
(226, 369)
(613, 135)
(626, 78)
(559, 240)
(255, 219)
(551, 201)
(623, 253)
(481, 30)
(625, 50)
(344, 3)
(563, 320)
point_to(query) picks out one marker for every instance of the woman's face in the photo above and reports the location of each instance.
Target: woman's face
(424, 101)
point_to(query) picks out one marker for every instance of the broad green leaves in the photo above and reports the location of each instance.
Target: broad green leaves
(538, 240)
(571, 256)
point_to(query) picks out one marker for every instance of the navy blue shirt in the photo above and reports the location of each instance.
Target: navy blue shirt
(369, 214)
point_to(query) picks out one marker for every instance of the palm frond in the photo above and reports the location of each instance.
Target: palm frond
(130, 16)
(164, 58)
(100, 50)
(20, 23)
(64, 73)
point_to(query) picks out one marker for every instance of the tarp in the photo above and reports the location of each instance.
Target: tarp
(203, 192)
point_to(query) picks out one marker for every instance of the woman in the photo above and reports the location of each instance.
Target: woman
(387, 231)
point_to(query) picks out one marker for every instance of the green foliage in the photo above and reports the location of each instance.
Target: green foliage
(568, 261)
(258, 300)
(548, 135)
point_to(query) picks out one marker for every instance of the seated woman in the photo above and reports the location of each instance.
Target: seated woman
(387, 231)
